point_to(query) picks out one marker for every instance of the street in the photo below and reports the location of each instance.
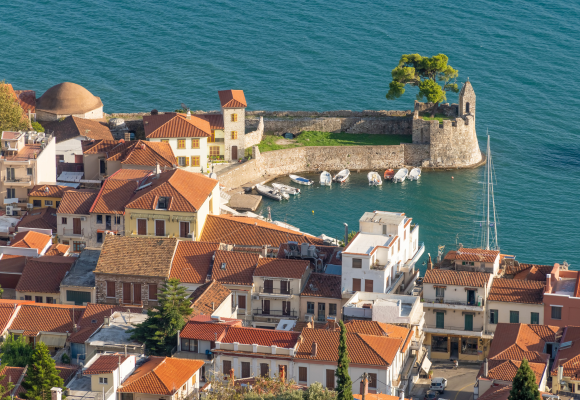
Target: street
(460, 381)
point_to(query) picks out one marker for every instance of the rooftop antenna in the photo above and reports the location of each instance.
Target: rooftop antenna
(184, 107)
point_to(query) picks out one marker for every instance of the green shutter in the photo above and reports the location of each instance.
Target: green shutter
(535, 318)
(514, 317)
(78, 297)
(440, 321)
(468, 322)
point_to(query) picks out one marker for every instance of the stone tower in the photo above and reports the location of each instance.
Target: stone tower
(233, 107)
(467, 100)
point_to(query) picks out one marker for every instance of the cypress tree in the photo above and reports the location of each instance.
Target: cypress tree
(344, 384)
(41, 376)
(524, 386)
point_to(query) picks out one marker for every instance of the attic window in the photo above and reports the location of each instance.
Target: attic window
(223, 266)
(162, 203)
(94, 321)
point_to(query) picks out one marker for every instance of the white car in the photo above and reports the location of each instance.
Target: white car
(438, 385)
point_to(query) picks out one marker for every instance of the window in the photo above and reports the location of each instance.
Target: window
(195, 161)
(141, 227)
(102, 166)
(245, 369)
(181, 143)
(234, 135)
(183, 229)
(330, 378)
(50, 300)
(242, 301)
(28, 298)
(65, 242)
(469, 346)
(104, 381)
(99, 219)
(48, 203)
(64, 221)
(332, 309)
(79, 297)
(439, 292)
(214, 151)
(372, 381)
(38, 299)
(302, 374)
(264, 369)
(78, 246)
(36, 203)
(493, 316)
(152, 291)
(234, 117)
(439, 343)
(181, 161)
(193, 380)
(310, 307)
(468, 322)
(556, 312)
(369, 285)
(440, 320)
(99, 237)
(211, 138)
(514, 317)
(202, 376)
(227, 366)
(28, 171)
(57, 204)
(535, 318)
(117, 220)
(384, 229)
(111, 289)
(285, 287)
(162, 203)
(357, 263)
(356, 284)
(10, 193)
(164, 141)
(195, 143)
(189, 345)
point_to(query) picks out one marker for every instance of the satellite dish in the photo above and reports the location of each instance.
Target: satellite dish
(183, 106)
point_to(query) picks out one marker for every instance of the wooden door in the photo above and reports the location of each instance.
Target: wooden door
(234, 153)
(142, 227)
(137, 293)
(160, 228)
(286, 307)
(268, 286)
(76, 226)
(245, 369)
(264, 369)
(183, 229)
(126, 293)
(356, 285)
(265, 306)
(368, 285)
(285, 287)
(330, 378)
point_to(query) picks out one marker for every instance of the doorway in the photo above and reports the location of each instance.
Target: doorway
(471, 297)
(234, 153)
(108, 222)
(454, 353)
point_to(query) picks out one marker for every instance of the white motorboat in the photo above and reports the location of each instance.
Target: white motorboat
(271, 192)
(401, 175)
(325, 178)
(300, 180)
(374, 179)
(342, 176)
(415, 174)
(285, 188)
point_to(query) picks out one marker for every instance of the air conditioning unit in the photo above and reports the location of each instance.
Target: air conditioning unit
(83, 218)
(256, 297)
(29, 205)
(9, 210)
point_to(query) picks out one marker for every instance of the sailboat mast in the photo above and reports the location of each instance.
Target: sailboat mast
(488, 182)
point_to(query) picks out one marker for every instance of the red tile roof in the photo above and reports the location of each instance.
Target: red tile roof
(232, 99)
(114, 196)
(261, 337)
(505, 370)
(187, 191)
(131, 174)
(323, 285)
(42, 218)
(519, 341)
(283, 268)
(204, 331)
(11, 375)
(180, 126)
(516, 291)
(534, 272)
(32, 319)
(381, 329)
(248, 231)
(57, 250)
(105, 364)
(154, 121)
(161, 376)
(43, 277)
(192, 261)
(456, 278)
(72, 127)
(77, 202)
(479, 255)
(569, 355)
(135, 152)
(216, 121)
(49, 191)
(6, 312)
(67, 372)
(234, 268)
(209, 296)
(30, 240)
(94, 316)
(27, 100)
(496, 392)
(378, 396)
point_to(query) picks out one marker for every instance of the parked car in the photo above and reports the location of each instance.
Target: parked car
(438, 385)
(431, 395)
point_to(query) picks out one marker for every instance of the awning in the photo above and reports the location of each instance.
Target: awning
(52, 340)
(426, 366)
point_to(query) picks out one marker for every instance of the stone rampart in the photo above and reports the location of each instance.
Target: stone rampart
(449, 110)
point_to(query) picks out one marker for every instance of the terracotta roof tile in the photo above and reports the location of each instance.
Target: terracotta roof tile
(46, 318)
(6, 312)
(457, 278)
(519, 341)
(72, 127)
(206, 298)
(216, 121)
(232, 99)
(136, 152)
(43, 277)
(386, 349)
(94, 316)
(323, 285)
(479, 255)
(204, 331)
(154, 121)
(192, 261)
(381, 329)
(105, 364)
(114, 196)
(506, 370)
(187, 191)
(261, 337)
(534, 273)
(136, 256)
(378, 396)
(250, 232)
(67, 372)
(161, 376)
(496, 392)
(27, 100)
(125, 174)
(179, 126)
(11, 375)
(516, 291)
(516, 267)
(42, 218)
(30, 240)
(58, 250)
(283, 268)
(570, 355)
(234, 268)
(12, 264)
(77, 202)
(49, 191)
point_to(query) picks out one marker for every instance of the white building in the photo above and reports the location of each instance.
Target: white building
(382, 256)
(108, 372)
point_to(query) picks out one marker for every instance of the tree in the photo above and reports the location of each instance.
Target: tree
(524, 386)
(159, 330)
(344, 384)
(41, 375)
(11, 116)
(37, 127)
(424, 72)
(16, 352)
(318, 392)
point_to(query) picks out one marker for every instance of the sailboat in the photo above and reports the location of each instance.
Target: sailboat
(489, 221)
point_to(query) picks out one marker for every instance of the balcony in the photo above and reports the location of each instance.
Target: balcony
(20, 182)
(274, 292)
(73, 232)
(453, 330)
(441, 303)
(259, 312)
(411, 263)
(396, 282)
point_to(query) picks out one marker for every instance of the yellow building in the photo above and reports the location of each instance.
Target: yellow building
(42, 196)
(172, 204)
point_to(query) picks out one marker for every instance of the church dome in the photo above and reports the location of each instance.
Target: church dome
(68, 98)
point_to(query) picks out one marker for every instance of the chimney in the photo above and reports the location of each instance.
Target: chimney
(157, 169)
(56, 393)
(188, 116)
(127, 136)
(401, 395)
(485, 368)
(126, 350)
(366, 386)
(314, 349)
(548, 283)
(429, 263)
(265, 251)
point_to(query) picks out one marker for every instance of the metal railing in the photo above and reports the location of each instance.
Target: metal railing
(442, 300)
(396, 282)
(270, 290)
(275, 313)
(453, 328)
(22, 179)
(72, 232)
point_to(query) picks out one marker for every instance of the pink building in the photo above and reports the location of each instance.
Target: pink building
(562, 297)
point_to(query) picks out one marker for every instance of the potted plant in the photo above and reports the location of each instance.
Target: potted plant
(430, 374)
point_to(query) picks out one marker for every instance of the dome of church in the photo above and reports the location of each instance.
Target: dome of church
(68, 98)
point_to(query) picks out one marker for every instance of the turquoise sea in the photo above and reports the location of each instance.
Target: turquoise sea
(521, 57)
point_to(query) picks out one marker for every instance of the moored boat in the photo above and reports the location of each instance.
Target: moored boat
(415, 174)
(342, 176)
(374, 179)
(389, 173)
(325, 178)
(285, 188)
(401, 175)
(271, 193)
(300, 180)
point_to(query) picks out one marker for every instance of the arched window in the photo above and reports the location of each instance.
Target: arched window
(466, 108)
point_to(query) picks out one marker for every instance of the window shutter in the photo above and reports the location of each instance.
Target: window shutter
(177, 160)
(186, 161)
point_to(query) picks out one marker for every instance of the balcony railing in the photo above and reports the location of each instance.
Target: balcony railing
(396, 282)
(454, 328)
(73, 232)
(275, 313)
(269, 290)
(442, 300)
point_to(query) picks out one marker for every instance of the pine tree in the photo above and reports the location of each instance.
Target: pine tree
(11, 116)
(159, 330)
(41, 376)
(16, 352)
(524, 386)
(344, 384)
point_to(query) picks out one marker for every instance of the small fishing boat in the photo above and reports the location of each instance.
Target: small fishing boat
(401, 175)
(285, 188)
(415, 174)
(389, 173)
(325, 178)
(342, 176)
(300, 180)
(271, 192)
(374, 179)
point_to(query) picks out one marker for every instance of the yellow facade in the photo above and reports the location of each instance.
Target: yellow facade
(53, 201)
(483, 346)
(171, 221)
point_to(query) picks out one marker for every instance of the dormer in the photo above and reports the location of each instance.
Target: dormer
(163, 203)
